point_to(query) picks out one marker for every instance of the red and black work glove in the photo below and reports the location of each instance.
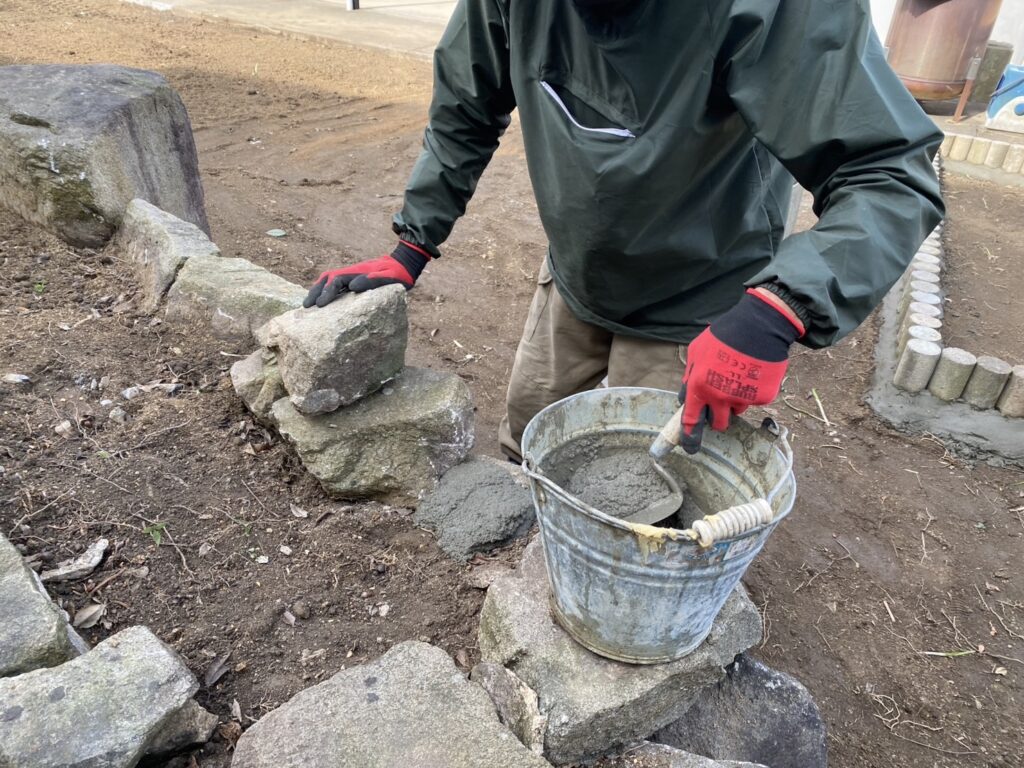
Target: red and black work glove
(738, 361)
(403, 266)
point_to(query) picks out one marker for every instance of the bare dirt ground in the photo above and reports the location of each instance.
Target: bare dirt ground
(894, 591)
(984, 264)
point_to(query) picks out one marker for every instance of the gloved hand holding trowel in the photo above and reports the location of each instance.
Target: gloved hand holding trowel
(737, 362)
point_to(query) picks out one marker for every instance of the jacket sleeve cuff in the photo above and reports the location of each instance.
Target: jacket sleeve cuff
(410, 237)
(790, 300)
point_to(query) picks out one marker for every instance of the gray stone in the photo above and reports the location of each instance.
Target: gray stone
(78, 143)
(33, 632)
(516, 702)
(755, 714)
(257, 380)
(392, 445)
(336, 355)
(77, 567)
(100, 710)
(188, 728)
(157, 245)
(412, 707)
(648, 755)
(594, 704)
(233, 297)
(478, 506)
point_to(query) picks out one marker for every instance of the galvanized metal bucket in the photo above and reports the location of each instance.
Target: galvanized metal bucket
(638, 593)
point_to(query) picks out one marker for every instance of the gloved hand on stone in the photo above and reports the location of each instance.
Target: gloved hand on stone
(403, 266)
(738, 361)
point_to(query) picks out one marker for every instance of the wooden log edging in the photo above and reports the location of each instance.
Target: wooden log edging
(923, 364)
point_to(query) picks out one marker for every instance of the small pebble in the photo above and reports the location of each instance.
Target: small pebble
(301, 609)
(285, 549)
(64, 429)
(17, 378)
(262, 559)
(106, 403)
(118, 415)
(131, 393)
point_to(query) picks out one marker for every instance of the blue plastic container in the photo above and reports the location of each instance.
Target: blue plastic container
(1006, 107)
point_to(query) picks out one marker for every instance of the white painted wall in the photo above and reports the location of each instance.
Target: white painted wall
(1009, 26)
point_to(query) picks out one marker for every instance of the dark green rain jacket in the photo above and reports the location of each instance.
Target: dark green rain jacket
(660, 146)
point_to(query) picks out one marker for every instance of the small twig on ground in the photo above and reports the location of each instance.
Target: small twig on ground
(816, 417)
(39, 511)
(147, 438)
(999, 618)
(821, 408)
(108, 482)
(258, 501)
(889, 611)
(832, 562)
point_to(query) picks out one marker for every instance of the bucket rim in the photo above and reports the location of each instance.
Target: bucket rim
(531, 468)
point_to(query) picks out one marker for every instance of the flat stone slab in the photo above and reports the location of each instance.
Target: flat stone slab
(233, 297)
(100, 710)
(392, 445)
(412, 707)
(477, 506)
(78, 143)
(755, 713)
(335, 355)
(593, 704)
(33, 630)
(157, 243)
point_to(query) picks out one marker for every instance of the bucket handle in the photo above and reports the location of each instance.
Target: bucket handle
(728, 523)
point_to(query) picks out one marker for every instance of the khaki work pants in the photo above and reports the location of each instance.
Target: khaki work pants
(560, 355)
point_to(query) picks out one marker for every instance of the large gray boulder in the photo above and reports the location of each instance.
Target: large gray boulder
(77, 143)
(157, 243)
(257, 380)
(648, 755)
(412, 707)
(477, 506)
(335, 355)
(33, 631)
(594, 704)
(755, 713)
(233, 297)
(392, 445)
(100, 710)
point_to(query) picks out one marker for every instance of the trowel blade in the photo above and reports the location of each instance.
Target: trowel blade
(666, 507)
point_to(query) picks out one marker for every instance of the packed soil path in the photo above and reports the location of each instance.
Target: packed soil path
(894, 591)
(984, 249)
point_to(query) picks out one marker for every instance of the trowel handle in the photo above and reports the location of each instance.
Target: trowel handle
(669, 436)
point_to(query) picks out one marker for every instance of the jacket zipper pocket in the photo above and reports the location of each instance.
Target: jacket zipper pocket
(622, 133)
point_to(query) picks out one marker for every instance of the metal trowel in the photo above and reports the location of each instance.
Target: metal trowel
(663, 444)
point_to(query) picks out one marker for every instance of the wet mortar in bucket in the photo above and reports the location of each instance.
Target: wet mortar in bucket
(613, 473)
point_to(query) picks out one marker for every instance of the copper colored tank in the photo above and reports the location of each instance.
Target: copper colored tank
(932, 42)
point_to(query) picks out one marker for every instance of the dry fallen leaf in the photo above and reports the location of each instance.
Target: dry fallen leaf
(462, 658)
(89, 615)
(217, 669)
(231, 732)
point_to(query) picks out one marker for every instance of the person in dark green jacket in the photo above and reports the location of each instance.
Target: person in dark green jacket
(662, 139)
